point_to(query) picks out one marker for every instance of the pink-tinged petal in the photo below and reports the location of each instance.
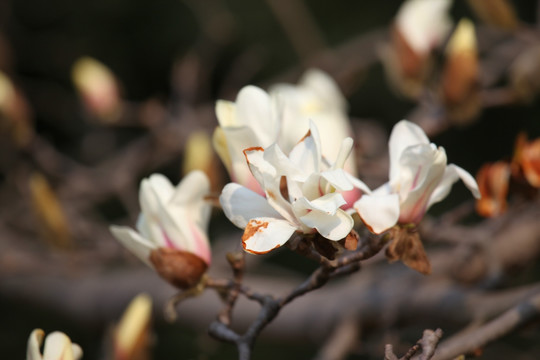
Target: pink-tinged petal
(134, 242)
(241, 204)
(306, 154)
(378, 212)
(425, 166)
(404, 134)
(452, 174)
(351, 197)
(265, 234)
(57, 347)
(254, 109)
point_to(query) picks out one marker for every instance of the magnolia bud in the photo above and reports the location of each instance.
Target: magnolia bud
(180, 268)
(131, 335)
(98, 87)
(460, 75)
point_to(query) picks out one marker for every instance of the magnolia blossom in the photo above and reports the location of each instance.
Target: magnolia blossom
(57, 346)
(173, 221)
(424, 24)
(419, 178)
(281, 116)
(302, 195)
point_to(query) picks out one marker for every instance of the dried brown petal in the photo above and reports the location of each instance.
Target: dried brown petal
(407, 247)
(180, 268)
(350, 242)
(493, 180)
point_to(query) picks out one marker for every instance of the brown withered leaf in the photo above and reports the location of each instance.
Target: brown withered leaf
(407, 247)
(180, 268)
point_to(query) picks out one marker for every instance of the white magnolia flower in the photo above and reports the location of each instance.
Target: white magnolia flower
(302, 195)
(281, 116)
(424, 23)
(250, 121)
(173, 218)
(419, 178)
(57, 346)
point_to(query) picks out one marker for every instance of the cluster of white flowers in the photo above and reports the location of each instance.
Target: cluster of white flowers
(275, 195)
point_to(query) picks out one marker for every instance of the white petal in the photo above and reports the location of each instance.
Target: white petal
(265, 234)
(379, 213)
(424, 168)
(190, 195)
(57, 347)
(404, 134)
(328, 203)
(241, 204)
(424, 23)
(344, 151)
(134, 242)
(325, 87)
(34, 343)
(269, 174)
(451, 174)
(333, 227)
(357, 183)
(238, 139)
(306, 154)
(226, 114)
(161, 186)
(338, 179)
(254, 109)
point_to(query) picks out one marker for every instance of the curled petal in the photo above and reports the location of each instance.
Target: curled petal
(306, 155)
(404, 134)
(333, 227)
(134, 242)
(34, 342)
(58, 347)
(378, 212)
(452, 174)
(338, 179)
(254, 109)
(264, 234)
(241, 204)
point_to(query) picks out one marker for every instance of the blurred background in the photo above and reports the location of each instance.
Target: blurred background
(67, 170)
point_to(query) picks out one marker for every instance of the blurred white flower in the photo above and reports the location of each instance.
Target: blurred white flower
(172, 227)
(419, 177)
(302, 195)
(282, 116)
(424, 24)
(57, 346)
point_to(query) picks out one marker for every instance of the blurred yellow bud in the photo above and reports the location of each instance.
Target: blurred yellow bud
(98, 88)
(460, 74)
(53, 223)
(499, 13)
(131, 336)
(199, 155)
(14, 113)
